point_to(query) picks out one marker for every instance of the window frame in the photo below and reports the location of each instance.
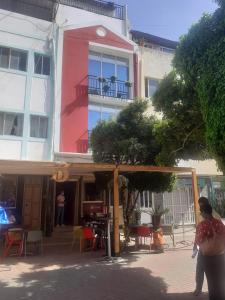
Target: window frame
(42, 65)
(147, 79)
(10, 58)
(39, 122)
(4, 121)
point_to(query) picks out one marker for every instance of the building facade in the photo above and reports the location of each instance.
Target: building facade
(64, 66)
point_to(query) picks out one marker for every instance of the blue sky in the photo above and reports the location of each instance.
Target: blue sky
(166, 18)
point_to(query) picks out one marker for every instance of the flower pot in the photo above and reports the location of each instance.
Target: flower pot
(158, 240)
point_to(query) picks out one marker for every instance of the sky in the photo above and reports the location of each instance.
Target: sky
(166, 18)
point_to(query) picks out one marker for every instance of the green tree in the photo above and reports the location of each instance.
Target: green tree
(131, 139)
(192, 97)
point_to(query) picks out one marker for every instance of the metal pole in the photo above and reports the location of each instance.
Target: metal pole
(109, 238)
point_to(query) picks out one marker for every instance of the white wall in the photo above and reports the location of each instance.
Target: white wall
(67, 16)
(154, 64)
(25, 92)
(10, 149)
(37, 150)
(40, 95)
(203, 167)
(12, 87)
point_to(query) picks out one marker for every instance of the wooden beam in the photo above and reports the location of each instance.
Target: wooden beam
(116, 212)
(195, 195)
(129, 168)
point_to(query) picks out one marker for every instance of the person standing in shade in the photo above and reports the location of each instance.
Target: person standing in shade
(60, 204)
(199, 277)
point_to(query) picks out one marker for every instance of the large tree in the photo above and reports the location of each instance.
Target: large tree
(130, 139)
(192, 96)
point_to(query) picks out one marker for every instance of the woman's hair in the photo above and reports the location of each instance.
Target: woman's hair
(203, 201)
(207, 209)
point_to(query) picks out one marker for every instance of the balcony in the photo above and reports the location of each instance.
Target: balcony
(109, 87)
(101, 7)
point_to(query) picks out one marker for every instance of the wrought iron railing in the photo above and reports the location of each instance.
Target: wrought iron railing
(109, 87)
(102, 7)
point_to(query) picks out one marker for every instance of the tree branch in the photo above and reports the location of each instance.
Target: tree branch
(185, 139)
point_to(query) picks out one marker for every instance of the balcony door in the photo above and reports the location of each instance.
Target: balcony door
(108, 75)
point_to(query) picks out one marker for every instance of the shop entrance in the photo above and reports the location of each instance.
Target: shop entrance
(69, 188)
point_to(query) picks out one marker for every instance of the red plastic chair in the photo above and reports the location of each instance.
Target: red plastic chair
(13, 237)
(145, 232)
(88, 236)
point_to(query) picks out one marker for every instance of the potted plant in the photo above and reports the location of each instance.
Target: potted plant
(105, 88)
(128, 84)
(113, 79)
(101, 79)
(158, 240)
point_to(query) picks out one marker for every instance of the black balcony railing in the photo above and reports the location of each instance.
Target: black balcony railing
(109, 87)
(101, 7)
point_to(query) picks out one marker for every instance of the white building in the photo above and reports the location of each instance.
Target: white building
(156, 55)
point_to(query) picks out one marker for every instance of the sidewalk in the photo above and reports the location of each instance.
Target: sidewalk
(74, 276)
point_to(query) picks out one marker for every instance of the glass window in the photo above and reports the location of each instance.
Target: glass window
(108, 70)
(38, 127)
(151, 85)
(13, 58)
(41, 64)
(122, 73)
(94, 68)
(11, 124)
(93, 118)
(18, 60)
(4, 57)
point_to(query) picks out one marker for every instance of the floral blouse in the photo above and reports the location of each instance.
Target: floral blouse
(205, 228)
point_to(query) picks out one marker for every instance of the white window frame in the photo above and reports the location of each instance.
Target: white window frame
(42, 64)
(147, 79)
(39, 122)
(4, 122)
(10, 57)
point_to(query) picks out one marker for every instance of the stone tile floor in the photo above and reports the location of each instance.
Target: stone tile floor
(138, 275)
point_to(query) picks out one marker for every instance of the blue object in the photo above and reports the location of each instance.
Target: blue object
(3, 216)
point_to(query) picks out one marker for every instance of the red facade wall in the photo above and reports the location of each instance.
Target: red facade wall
(74, 104)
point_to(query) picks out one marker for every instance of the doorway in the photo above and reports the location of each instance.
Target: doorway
(69, 188)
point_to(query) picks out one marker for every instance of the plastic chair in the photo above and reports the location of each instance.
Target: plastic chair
(77, 236)
(13, 237)
(89, 236)
(34, 237)
(145, 232)
(83, 235)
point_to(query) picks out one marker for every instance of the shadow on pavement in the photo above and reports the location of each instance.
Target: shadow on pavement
(82, 278)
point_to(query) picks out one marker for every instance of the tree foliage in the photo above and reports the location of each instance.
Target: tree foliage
(131, 139)
(192, 97)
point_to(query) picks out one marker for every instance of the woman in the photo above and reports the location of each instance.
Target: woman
(210, 237)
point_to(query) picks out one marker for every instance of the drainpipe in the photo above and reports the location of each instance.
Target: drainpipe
(126, 22)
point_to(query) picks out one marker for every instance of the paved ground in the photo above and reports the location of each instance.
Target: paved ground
(67, 275)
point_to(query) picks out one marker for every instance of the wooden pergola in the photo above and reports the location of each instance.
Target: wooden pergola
(89, 167)
(49, 168)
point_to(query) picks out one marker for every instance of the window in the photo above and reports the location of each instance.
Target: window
(105, 67)
(11, 124)
(41, 64)
(13, 59)
(99, 113)
(39, 127)
(145, 199)
(151, 86)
